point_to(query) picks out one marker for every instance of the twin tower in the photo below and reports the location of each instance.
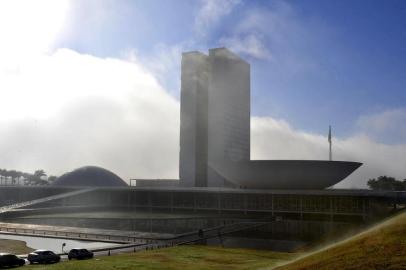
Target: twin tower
(215, 133)
(215, 116)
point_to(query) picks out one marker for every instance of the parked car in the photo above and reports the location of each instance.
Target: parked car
(43, 256)
(10, 260)
(80, 254)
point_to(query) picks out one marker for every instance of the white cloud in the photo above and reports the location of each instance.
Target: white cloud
(63, 110)
(250, 44)
(257, 28)
(389, 125)
(275, 32)
(164, 63)
(276, 139)
(29, 26)
(210, 13)
(71, 110)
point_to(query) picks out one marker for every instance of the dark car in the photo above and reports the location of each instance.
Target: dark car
(43, 256)
(10, 260)
(80, 254)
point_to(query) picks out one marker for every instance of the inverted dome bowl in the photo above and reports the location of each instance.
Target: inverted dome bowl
(285, 174)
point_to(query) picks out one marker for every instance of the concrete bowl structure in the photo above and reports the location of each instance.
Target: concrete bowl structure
(286, 174)
(90, 176)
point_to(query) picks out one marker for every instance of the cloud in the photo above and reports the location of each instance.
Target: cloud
(164, 62)
(386, 126)
(276, 139)
(254, 30)
(252, 45)
(210, 13)
(275, 32)
(71, 109)
(24, 22)
(63, 110)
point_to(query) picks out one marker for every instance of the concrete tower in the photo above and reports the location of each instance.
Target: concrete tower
(215, 116)
(193, 120)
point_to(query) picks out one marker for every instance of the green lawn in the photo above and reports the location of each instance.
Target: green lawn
(182, 257)
(14, 246)
(382, 247)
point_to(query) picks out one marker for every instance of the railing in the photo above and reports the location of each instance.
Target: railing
(134, 243)
(216, 232)
(83, 236)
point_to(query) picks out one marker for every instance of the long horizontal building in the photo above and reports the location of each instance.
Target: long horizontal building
(180, 210)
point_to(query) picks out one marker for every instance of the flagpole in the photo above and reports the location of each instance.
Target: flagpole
(330, 143)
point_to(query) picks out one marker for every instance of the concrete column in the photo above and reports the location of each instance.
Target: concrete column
(219, 203)
(331, 209)
(171, 204)
(194, 202)
(364, 209)
(149, 202)
(135, 201)
(245, 204)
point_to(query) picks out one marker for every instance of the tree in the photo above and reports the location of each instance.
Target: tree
(13, 174)
(52, 179)
(37, 178)
(387, 183)
(39, 173)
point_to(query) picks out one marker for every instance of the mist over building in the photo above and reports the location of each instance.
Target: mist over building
(215, 115)
(215, 133)
(221, 191)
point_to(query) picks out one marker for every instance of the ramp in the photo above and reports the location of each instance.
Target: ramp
(218, 231)
(11, 207)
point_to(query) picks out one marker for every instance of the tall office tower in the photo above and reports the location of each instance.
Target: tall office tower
(215, 116)
(193, 120)
(229, 113)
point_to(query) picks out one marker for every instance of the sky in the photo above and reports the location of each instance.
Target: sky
(97, 82)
